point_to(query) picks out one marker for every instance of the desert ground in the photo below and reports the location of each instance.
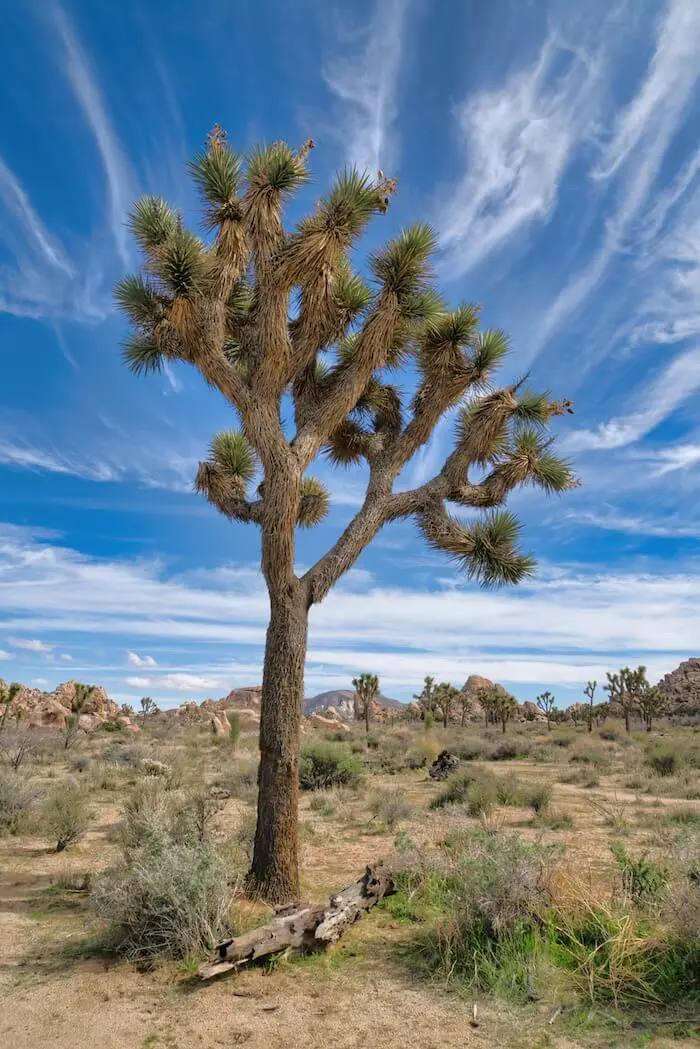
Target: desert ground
(61, 979)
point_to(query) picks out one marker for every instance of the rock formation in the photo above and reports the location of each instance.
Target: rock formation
(37, 709)
(681, 689)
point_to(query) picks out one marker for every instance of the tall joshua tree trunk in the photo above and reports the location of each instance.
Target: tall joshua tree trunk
(274, 868)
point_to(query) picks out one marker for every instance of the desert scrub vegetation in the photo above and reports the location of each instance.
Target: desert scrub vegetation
(18, 801)
(325, 765)
(390, 807)
(66, 814)
(171, 893)
(502, 915)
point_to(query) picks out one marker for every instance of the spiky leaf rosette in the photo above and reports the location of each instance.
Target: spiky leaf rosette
(217, 172)
(223, 477)
(142, 354)
(138, 298)
(231, 453)
(314, 502)
(182, 264)
(485, 549)
(152, 222)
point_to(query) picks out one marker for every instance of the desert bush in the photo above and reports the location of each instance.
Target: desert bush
(482, 796)
(129, 755)
(80, 763)
(666, 759)
(391, 807)
(151, 767)
(643, 880)
(538, 797)
(241, 780)
(17, 802)
(234, 719)
(594, 756)
(165, 901)
(509, 749)
(326, 765)
(472, 749)
(493, 892)
(17, 747)
(612, 733)
(66, 814)
(564, 737)
(581, 777)
(457, 788)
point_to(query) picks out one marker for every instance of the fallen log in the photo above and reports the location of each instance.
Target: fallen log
(303, 926)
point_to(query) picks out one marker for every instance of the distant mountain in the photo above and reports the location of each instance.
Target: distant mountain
(342, 700)
(681, 689)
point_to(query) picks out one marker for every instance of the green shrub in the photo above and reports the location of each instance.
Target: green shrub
(510, 749)
(538, 798)
(428, 720)
(66, 814)
(17, 802)
(595, 756)
(234, 719)
(391, 807)
(472, 750)
(494, 892)
(326, 765)
(165, 901)
(80, 763)
(643, 881)
(482, 796)
(457, 789)
(665, 760)
(129, 755)
(241, 780)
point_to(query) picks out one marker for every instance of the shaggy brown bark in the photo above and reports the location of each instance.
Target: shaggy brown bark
(303, 926)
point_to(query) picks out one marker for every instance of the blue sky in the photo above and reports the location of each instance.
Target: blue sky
(554, 148)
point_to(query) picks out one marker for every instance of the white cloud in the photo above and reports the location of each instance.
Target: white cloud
(31, 458)
(6, 655)
(31, 645)
(90, 100)
(16, 199)
(659, 399)
(366, 86)
(66, 658)
(518, 141)
(138, 682)
(636, 525)
(644, 131)
(579, 618)
(134, 660)
(40, 681)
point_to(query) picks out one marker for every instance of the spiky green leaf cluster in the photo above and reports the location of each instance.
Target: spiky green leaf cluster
(152, 222)
(142, 355)
(276, 167)
(216, 172)
(181, 263)
(403, 266)
(314, 502)
(230, 452)
(491, 348)
(494, 559)
(137, 297)
(533, 409)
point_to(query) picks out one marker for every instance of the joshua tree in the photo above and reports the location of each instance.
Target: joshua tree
(547, 703)
(465, 705)
(81, 696)
(426, 697)
(444, 697)
(7, 694)
(70, 732)
(300, 345)
(148, 706)
(488, 699)
(626, 689)
(650, 700)
(589, 693)
(366, 689)
(505, 706)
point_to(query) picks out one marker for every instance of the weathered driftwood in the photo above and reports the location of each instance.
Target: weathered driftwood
(303, 926)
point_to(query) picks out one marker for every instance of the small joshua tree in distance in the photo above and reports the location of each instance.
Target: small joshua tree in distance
(547, 703)
(366, 691)
(589, 693)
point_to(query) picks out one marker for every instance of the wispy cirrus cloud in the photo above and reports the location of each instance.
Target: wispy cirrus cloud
(518, 141)
(135, 660)
(87, 92)
(659, 399)
(633, 156)
(31, 645)
(364, 78)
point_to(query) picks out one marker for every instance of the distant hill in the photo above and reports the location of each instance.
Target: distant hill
(342, 700)
(682, 689)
